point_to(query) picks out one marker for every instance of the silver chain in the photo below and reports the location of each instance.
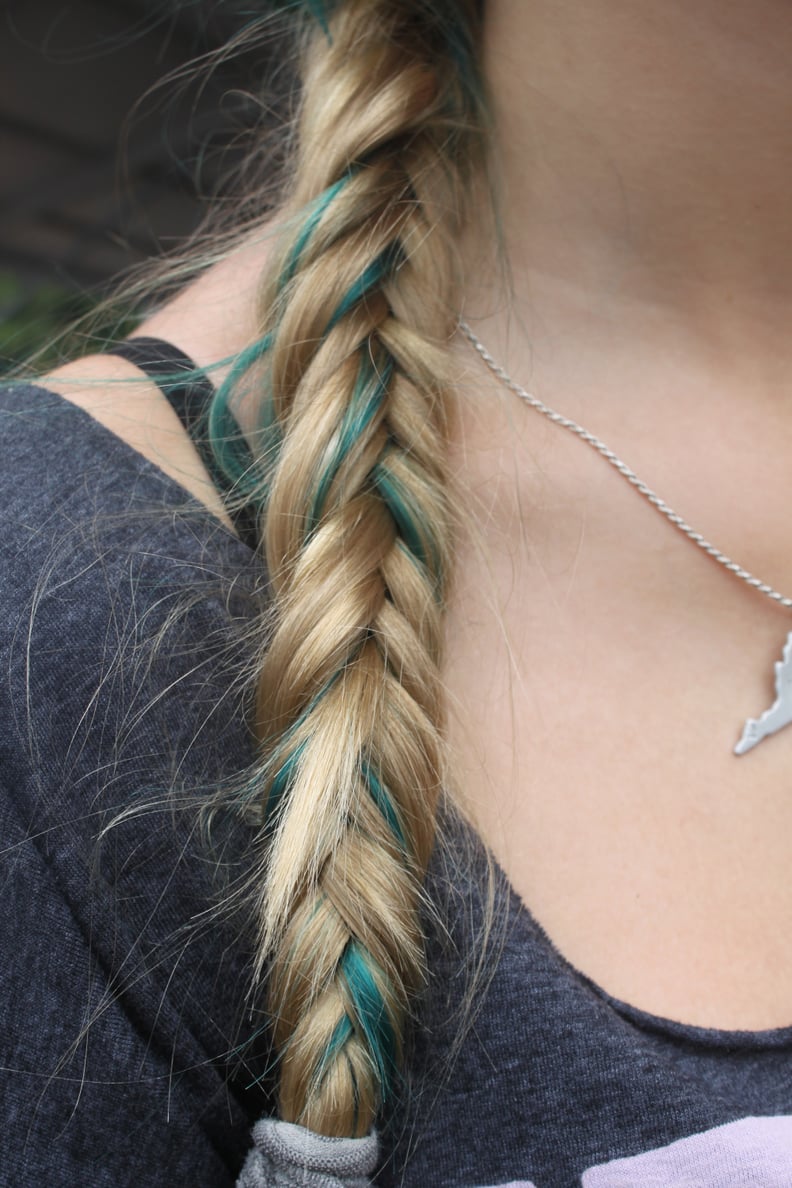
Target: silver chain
(624, 470)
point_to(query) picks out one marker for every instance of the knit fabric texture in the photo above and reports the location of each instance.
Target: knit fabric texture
(288, 1156)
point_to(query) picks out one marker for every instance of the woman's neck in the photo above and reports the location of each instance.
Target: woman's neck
(645, 160)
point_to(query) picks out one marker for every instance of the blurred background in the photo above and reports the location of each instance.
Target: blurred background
(100, 168)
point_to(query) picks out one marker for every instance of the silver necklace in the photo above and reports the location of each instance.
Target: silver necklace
(780, 712)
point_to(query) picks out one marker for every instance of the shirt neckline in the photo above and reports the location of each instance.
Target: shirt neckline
(142, 464)
(675, 1029)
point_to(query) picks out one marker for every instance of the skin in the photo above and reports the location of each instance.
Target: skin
(599, 667)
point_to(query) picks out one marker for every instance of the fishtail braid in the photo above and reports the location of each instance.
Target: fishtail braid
(357, 541)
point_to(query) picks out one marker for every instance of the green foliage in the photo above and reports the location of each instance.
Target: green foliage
(42, 321)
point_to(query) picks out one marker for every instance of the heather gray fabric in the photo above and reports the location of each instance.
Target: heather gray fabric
(120, 1004)
(123, 1025)
(287, 1156)
(553, 1078)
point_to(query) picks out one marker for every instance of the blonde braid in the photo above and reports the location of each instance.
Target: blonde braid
(357, 541)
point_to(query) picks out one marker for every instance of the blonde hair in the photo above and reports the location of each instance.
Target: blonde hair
(347, 472)
(356, 320)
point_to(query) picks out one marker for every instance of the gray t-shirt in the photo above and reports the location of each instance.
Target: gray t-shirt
(124, 1032)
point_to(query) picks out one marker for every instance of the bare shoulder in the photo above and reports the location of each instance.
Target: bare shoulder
(116, 394)
(210, 320)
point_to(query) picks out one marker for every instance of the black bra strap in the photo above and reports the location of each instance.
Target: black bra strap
(189, 398)
(163, 363)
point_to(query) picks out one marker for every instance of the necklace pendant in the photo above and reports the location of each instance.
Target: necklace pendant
(780, 712)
